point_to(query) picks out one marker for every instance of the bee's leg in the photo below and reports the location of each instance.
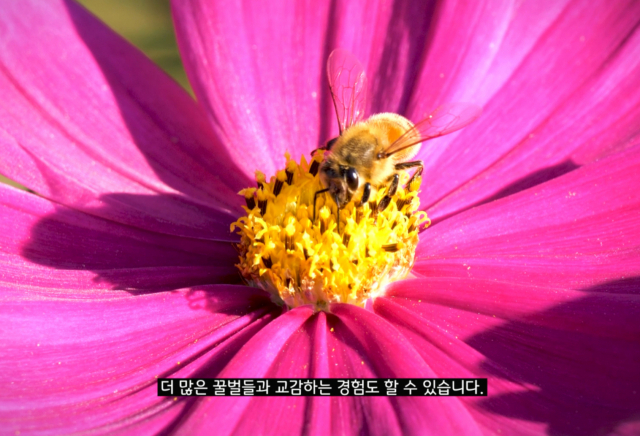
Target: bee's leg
(407, 165)
(315, 197)
(394, 185)
(338, 212)
(386, 200)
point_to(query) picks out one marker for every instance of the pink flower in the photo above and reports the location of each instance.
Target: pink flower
(121, 271)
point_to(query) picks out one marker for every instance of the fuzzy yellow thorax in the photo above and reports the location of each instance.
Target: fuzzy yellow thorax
(301, 261)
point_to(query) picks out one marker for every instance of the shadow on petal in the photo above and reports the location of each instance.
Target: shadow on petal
(410, 26)
(123, 257)
(577, 363)
(529, 181)
(200, 298)
(145, 100)
(533, 179)
(180, 215)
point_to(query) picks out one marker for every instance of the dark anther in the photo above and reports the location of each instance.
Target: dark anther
(263, 207)
(313, 169)
(267, 262)
(384, 203)
(251, 202)
(345, 239)
(277, 187)
(390, 248)
(289, 177)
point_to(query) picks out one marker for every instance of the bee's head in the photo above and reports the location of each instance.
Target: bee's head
(341, 180)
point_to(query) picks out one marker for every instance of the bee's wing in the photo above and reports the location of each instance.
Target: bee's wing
(348, 86)
(445, 119)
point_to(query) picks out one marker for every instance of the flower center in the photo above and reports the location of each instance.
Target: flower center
(300, 261)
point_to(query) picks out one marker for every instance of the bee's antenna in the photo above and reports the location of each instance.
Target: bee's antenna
(327, 146)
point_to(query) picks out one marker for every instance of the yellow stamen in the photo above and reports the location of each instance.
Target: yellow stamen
(290, 171)
(248, 197)
(260, 178)
(299, 261)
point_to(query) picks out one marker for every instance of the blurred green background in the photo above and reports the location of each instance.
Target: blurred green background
(147, 25)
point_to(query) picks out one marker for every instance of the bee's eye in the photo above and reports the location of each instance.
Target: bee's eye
(352, 179)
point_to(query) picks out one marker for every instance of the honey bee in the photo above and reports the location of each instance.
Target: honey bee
(367, 155)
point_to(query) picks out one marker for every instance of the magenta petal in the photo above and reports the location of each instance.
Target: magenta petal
(44, 245)
(538, 347)
(389, 38)
(89, 122)
(539, 292)
(577, 231)
(259, 70)
(351, 343)
(92, 363)
(258, 359)
(438, 333)
(556, 95)
(464, 42)
(384, 352)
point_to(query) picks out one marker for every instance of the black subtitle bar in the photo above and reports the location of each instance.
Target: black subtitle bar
(312, 387)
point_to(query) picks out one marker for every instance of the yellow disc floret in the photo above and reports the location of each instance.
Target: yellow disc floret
(301, 261)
